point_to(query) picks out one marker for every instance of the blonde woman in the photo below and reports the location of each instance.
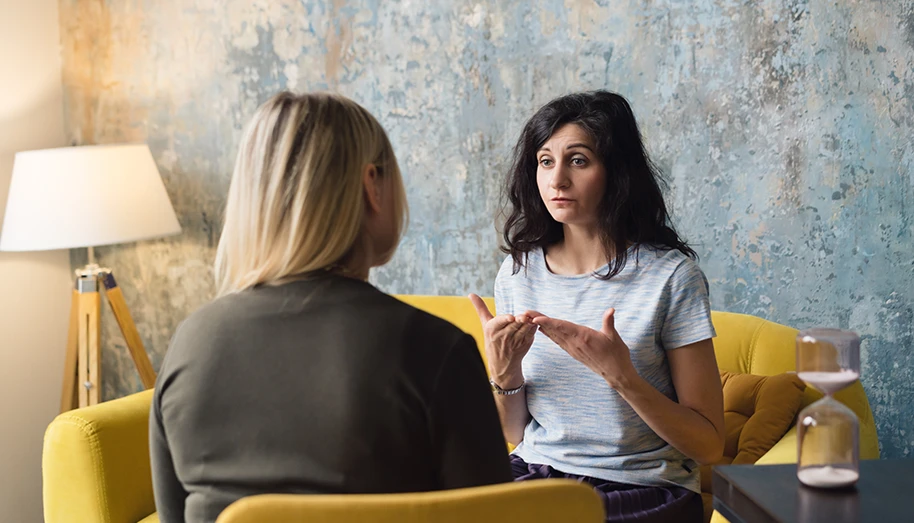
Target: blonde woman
(302, 377)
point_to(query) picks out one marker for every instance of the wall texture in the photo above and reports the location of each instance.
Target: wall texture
(785, 127)
(35, 290)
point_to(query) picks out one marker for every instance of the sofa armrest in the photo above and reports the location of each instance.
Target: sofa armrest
(95, 463)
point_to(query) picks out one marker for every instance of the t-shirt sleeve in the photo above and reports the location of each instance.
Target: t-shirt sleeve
(688, 311)
(503, 303)
(467, 434)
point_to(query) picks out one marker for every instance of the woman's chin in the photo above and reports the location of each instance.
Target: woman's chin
(565, 217)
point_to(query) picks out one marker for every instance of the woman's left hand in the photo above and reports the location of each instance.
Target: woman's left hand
(601, 351)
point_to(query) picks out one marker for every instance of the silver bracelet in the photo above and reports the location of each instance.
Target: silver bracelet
(506, 392)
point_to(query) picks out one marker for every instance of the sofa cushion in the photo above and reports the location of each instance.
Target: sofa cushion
(761, 410)
(758, 411)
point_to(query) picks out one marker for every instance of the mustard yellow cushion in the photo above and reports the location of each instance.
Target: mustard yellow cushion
(761, 410)
(758, 411)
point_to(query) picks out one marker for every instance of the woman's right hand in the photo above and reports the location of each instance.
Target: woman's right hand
(507, 340)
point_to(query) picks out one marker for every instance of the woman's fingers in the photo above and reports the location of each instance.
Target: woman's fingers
(609, 322)
(555, 328)
(523, 330)
(513, 335)
(534, 314)
(529, 332)
(501, 322)
(482, 310)
(567, 335)
(557, 339)
(528, 316)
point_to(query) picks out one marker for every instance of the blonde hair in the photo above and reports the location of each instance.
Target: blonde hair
(296, 204)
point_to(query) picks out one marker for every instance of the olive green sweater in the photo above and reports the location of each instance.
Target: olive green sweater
(325, 385)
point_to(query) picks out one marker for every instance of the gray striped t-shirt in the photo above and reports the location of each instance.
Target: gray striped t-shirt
(579, 424)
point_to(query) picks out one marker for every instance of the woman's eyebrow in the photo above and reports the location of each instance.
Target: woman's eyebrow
(572, 146)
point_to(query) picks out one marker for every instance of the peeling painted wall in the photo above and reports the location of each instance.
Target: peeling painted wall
(785, 127)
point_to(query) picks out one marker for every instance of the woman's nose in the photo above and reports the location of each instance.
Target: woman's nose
(559, 178)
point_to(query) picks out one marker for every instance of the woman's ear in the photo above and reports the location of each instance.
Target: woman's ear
(371, 181)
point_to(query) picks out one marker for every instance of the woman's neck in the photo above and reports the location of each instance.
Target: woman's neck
(354, 273)
(356, 264)
(580, 251)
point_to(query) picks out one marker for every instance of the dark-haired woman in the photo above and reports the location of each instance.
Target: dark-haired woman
(601, 357)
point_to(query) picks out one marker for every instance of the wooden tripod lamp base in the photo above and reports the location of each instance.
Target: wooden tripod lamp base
(82, 366)
(87, 196)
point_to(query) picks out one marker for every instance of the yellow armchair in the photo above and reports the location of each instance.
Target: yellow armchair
(96, 459)
(543, 501)
(95, 464)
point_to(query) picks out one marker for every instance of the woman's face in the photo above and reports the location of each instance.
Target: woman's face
(570, 176)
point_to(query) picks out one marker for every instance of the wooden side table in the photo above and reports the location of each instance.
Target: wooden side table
(772, 494)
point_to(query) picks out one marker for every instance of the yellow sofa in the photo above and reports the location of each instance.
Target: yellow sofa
(96, 459)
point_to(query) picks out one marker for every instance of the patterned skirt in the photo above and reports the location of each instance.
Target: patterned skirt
(626, 503)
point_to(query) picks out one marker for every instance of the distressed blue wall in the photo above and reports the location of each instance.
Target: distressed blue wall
(785, 126)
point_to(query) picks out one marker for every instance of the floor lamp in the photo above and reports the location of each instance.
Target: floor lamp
(88, 196)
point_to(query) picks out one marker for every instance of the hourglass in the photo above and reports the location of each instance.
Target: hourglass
(828, 432)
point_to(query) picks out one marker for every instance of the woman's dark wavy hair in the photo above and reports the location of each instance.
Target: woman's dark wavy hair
(632, 210)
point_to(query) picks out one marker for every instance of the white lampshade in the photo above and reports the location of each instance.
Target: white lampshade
(85, 196)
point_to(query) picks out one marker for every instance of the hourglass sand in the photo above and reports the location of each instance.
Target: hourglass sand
(828, 432)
